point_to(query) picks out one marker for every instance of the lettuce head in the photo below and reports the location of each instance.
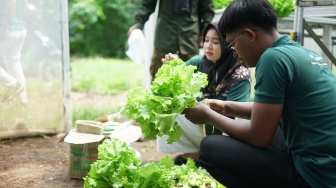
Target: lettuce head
(175, 87)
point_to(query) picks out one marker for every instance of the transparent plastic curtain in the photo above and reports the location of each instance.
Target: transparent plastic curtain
(34, 68)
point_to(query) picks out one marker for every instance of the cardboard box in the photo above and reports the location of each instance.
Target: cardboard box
(81, 157)
(84, 147)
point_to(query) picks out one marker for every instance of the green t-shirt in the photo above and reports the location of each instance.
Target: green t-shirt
(301, 80)
(238, 92)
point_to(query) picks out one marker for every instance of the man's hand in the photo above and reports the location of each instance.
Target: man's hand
(197, 114)
(216, 105)
(169, 57)
(131, 29)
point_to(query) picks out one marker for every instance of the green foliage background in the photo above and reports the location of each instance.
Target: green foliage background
(219, 4)
(99, 27)
(283, 8)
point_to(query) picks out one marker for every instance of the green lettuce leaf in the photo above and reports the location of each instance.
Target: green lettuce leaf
(118, 167)
(175, 87)
(283, 8)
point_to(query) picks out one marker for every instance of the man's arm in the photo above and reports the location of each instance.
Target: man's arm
(257, 132)
(231, 108)
(147, 8)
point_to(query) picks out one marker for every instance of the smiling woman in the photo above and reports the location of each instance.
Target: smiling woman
(212, 45)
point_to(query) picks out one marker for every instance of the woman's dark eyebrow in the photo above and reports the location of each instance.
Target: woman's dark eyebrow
(213, 38)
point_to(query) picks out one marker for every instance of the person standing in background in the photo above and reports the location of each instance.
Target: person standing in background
(13, 34)
(179, 26)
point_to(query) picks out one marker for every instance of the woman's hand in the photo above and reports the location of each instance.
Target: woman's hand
(169, 57)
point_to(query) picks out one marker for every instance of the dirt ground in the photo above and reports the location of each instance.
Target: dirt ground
(42, 162)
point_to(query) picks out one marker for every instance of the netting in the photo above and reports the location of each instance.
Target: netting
(34, 67)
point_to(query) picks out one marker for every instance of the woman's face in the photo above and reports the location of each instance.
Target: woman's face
(212, 45)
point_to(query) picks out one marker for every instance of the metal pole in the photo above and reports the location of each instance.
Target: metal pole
(327, 29)
(300, 31)
(66, 65)
(293, 34)
(320, 43)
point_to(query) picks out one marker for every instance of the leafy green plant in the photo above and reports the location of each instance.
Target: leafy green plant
(118, 166)
(99, 27)
(85, 12)
(175, 87)
(283, 8)
(219, 4)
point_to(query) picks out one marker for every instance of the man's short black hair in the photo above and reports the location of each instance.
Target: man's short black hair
(248, 14)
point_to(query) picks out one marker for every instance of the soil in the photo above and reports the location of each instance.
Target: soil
(42, 162)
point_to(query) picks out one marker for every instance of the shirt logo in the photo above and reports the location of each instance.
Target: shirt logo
(316, 61)
(319, 64)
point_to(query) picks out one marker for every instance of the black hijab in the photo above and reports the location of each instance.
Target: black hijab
(221, 68)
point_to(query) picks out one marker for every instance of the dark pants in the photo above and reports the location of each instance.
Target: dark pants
(157, 63)
(236, 164)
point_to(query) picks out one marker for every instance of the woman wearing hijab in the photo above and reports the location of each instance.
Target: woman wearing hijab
(228, 80)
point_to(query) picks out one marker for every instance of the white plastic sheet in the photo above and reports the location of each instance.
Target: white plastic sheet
(136, 47)
(42, 107)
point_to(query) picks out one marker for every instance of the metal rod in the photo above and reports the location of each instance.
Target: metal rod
(67, 119)
(319, 42)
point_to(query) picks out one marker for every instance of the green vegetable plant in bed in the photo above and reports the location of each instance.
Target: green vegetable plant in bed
(175, 87)
(118, 167)
(283, 8)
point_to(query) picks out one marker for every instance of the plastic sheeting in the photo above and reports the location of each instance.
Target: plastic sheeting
(34, 41)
